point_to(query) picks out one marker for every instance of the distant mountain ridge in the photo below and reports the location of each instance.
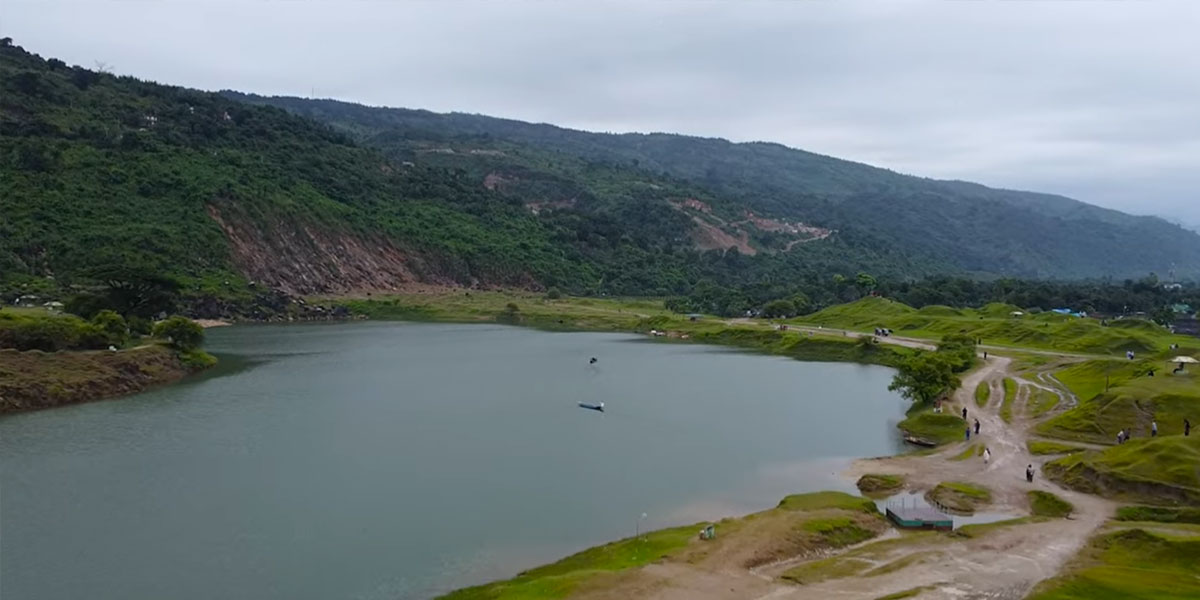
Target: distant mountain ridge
(233, 195)
(984, 230)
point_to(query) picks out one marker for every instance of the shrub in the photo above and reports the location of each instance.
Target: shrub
(113, 326)
(553, 294)
(183, 333)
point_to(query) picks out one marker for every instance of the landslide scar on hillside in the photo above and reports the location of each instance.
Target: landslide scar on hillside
(300, 259)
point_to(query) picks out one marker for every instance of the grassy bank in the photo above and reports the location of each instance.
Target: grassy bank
(34, 379)
(1129, 564)
(997, 324)
(628, 315)
(1162, 470)
(802, 523)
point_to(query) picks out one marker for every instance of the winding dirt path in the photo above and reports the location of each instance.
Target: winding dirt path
(1003, 564)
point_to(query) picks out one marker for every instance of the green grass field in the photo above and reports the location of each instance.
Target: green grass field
(1129, 565)
(996, 325)
(1129, 404)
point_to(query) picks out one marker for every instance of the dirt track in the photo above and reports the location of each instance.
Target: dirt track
(1004, 564)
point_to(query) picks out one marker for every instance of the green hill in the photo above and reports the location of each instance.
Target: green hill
(237, 201)
(100, 172)
(943, 224)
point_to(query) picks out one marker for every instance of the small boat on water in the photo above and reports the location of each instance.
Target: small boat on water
(595, 407)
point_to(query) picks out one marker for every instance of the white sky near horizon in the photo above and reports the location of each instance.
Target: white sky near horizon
(1096, 100)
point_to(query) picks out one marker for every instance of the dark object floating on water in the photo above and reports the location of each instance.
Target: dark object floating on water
(912, 439)
(595, 407)
(593, 361)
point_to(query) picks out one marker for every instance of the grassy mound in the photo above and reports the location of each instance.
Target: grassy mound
(959, 497)
(1162, 470)
(937, 428)
(876, 484)
(1131, 404)
(827, 500)
(983, 393)
(1010, 395)
(1045, 504)
(1042, 448)
(938, 310)
(1129, 564)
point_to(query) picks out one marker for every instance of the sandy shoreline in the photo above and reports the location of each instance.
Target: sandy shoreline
(206, 323)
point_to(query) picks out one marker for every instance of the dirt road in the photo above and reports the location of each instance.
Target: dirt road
(1003, 564)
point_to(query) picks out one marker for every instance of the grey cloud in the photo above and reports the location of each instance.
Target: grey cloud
(1095, 100)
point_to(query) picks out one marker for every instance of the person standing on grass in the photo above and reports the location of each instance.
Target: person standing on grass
(1154, 428)
(1187, 428)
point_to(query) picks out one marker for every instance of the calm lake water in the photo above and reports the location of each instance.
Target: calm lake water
(390, 460)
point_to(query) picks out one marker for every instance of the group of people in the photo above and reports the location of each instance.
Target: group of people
(1127, 433)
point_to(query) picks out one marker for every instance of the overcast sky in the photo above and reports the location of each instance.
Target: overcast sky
(1095, 100)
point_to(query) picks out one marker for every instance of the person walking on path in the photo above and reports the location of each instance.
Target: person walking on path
(1154, 428)
(964, 413)
(976, 426)
(1029, 473)
(968, 433)
(987, 455)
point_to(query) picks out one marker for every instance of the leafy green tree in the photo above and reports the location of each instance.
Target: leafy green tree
(553, 293)
(1164, 316)
(959, 349)
(113, 325)
(779, 309)
(865, 282)
(183, 333)
(924, 377)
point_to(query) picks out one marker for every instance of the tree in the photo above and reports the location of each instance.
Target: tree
(865, 282)
(113, 326)
(924, 377)
(1164, 316)
(133, 291)
(553, 294)
(779, 309)
(959, 349)
(183, 333)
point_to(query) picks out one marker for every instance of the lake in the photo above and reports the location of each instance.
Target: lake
(378, 460)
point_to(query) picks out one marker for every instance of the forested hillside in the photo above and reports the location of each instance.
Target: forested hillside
(115, 183)
(976, 229)
(102, 172)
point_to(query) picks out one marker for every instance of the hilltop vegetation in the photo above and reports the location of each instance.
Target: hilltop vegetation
(976, 229)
